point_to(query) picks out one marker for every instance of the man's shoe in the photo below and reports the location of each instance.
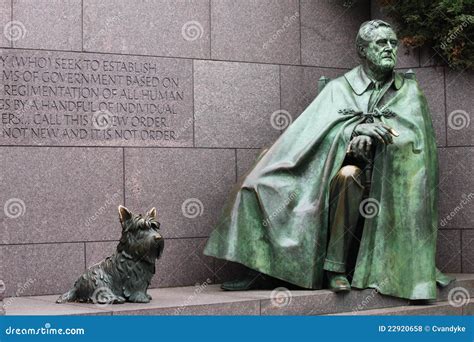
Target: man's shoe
(253, 280)
(338, 282)
(242, 284)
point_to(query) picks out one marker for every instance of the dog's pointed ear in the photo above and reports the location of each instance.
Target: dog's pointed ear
(152, 213)
(124, 214)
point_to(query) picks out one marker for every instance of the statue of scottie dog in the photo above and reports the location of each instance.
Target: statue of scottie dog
(126, 275)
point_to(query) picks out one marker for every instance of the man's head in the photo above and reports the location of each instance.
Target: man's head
(377, 45)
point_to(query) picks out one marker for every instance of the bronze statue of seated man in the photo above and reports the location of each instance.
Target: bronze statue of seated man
(357, 168)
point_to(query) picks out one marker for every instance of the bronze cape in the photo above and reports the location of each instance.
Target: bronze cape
(276, 221)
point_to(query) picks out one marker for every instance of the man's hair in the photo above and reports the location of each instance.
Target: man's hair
(366, 33)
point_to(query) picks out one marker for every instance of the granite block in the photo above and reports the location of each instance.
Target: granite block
(246, 158)
(286, 302)
(328, 31)
(234, 103)
(183, 264)
(41, 268)
(61, 194)
(463, 282)
(98, 251)
(431, 81)
(3, 286)
(299, 86)
(3, 271)
(249, 308)
(437, 309)
(359, 300)
(159, 28)
(5, 19)
(201, 299)
(468, 310)
(456, 187)
(208, 299)
(460, 118)
(448, 251)
(408, 57)
(46, 306)
(83, 99)
(468, 251)
(188, 187)
(256, 31)
(49, 24)
(431, 57)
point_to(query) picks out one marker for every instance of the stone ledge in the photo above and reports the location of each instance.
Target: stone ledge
(436, 309)
(211, 300)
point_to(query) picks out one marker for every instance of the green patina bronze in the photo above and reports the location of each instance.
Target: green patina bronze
(276, 221)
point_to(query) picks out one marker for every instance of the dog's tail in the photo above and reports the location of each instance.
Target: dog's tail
(69, 296)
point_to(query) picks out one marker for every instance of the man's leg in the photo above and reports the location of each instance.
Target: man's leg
(346, 193)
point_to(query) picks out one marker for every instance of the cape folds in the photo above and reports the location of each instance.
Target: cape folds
(276, 220)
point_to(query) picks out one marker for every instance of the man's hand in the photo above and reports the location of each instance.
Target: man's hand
(379, 131)
(360, 147)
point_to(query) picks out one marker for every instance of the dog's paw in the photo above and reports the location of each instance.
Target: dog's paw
(149, 296)
(69, 296)
(139, 297)
(119, 300)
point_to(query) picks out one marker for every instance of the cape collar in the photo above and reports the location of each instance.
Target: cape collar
(359, 81)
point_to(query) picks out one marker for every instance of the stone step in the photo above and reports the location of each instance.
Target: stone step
(435, 309)
(205, 299)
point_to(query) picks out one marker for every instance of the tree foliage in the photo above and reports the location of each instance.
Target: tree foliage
(447, 26)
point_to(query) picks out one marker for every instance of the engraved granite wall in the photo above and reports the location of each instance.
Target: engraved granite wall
(166, 103)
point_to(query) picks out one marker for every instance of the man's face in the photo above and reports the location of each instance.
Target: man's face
(381, 53)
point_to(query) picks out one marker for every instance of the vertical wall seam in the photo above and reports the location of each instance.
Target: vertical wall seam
(301, 45)
(11, 19)
(445, 108)
(236, 168)
(210, 29)
(279, 94)
(82, 25)
(214, 271)
(194, 100)
(123, 175)
(419, 57)
(461, 249)
(85, 256)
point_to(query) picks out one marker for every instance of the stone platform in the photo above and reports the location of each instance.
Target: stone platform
(210, 300)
